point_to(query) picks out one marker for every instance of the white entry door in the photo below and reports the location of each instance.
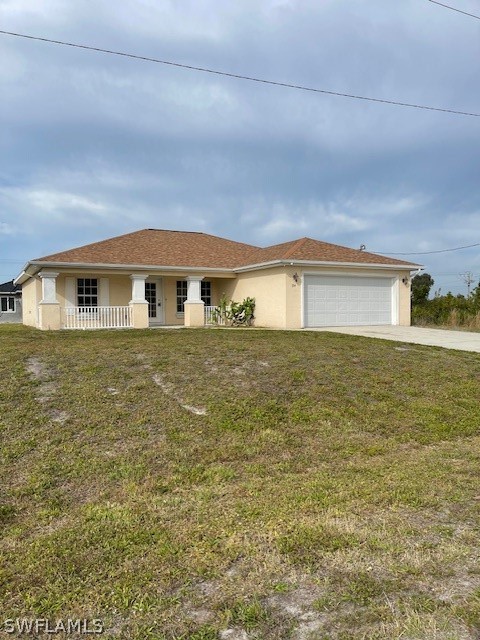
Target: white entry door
(337, 301)
(154, 297)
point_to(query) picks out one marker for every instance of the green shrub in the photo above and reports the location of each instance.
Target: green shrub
(448, 310)
(235, 314)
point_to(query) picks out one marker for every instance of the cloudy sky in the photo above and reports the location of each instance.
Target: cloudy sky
(93, 145)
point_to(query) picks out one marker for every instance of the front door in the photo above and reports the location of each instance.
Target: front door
(154, 297)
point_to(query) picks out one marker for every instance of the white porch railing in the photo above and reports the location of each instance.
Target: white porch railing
(98, 318)
(211, 317)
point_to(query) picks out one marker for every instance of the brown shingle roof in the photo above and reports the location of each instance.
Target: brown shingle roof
(318, 251)
(158, 247)
(154, 247)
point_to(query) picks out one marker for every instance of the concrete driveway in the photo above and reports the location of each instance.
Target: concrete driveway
(461, 340)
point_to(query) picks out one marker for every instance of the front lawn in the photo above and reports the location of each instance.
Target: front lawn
(201, 484)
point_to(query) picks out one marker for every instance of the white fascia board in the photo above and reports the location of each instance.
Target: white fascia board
(315, 263)
(25, 274)
(130, 267)
(21, 278)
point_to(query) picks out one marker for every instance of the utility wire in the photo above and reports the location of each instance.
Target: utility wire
(450, 275)
(240, 77)
(424, 253)
(447, 6)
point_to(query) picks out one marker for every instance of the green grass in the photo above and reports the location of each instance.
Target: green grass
(331, 488)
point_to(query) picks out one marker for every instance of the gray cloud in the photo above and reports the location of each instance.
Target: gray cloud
(94, 145)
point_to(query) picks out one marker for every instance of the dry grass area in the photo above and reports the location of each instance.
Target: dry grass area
(233, 484)
(471, 323)
(453, 320)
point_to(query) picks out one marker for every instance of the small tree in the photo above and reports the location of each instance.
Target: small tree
(421, 285)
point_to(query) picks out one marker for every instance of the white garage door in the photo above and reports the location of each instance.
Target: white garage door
(336, 301)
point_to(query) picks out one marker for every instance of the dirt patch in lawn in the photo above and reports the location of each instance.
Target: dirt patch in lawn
(46, 378)
(169, 389)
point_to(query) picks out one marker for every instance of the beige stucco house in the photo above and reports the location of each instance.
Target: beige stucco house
(154, 277)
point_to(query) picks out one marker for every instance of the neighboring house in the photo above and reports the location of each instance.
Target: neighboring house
(10, 302)
(153, 277)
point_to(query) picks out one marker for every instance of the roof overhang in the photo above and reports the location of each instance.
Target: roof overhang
(28, 272)
(317, 263)
(32, 268)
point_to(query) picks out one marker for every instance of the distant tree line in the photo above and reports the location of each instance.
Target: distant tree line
(447, 310)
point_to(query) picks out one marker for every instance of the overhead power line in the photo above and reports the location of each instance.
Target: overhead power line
(451, 275)
(447, 6)
(424, 253)
(241, 77)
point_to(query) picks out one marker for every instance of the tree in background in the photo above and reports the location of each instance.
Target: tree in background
(447, 310)
(475, 296)
(421, 285)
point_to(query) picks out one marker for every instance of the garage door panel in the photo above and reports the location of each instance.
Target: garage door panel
(343, 301)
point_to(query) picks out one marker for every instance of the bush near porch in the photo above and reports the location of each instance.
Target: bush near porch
(178, 484)
(234, 314)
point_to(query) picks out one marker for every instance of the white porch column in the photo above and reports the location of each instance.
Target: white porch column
(49, 287)
(194, 306)
(194, 291)
(49, 313)
(138, 303)
(138, 287)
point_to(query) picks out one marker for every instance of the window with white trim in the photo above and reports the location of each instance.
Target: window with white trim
(205, 293)
(87, 292)
(181, 294)
(7, 304)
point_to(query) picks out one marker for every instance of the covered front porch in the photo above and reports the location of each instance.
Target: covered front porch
(123, 301)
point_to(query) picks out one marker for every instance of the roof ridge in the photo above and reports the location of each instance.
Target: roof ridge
(297, 244)
(172, 231)
(206, 234)
(344, 246)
